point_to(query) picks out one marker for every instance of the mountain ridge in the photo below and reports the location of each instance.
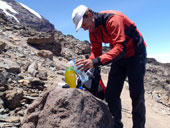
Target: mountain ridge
(18, 13)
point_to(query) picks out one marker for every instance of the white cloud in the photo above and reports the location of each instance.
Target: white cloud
(163, 58)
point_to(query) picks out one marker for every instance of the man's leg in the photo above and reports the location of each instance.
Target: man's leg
(115, 83)
(135, 73)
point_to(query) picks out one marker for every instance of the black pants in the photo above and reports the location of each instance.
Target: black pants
(134, 69)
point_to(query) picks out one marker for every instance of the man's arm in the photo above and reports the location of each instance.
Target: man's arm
(115, 29)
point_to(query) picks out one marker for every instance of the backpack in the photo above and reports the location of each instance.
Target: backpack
(95, 84)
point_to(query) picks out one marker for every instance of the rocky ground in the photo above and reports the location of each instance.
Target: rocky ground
(31, 62)
(157, 114)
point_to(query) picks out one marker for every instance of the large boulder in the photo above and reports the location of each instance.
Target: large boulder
(46, 41)
(65, 108)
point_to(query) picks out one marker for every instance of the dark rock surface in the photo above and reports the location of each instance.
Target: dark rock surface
(157, 81)
(67, 108)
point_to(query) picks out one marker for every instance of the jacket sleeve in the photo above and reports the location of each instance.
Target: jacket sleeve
(96, 47)
(96, 50)
(115, 29)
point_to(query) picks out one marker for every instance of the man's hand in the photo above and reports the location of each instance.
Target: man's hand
(84, 64)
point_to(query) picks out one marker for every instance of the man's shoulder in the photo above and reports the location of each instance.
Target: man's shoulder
(111, 11)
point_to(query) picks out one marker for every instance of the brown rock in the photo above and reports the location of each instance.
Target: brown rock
(67, 108)
(2, 46)
(13, 98)
(45, 54)
(24, 82)
(12, 119)
(41, 40)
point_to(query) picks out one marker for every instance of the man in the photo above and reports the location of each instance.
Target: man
(127, 55)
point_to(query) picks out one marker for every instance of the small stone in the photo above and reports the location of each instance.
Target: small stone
(24, 82)
(37, 83)
(45, 54)
(13, 119)
(34, 95)
(2, 88)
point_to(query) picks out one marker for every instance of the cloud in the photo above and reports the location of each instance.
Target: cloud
(163, 58)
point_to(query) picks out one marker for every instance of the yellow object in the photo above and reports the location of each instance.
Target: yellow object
(70, 77)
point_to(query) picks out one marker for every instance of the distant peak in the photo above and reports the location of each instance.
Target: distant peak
(30, 10)
(5, 6)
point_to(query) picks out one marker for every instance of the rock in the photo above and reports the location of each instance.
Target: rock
(33, 67)
(16, 39)
(34, 95)
(11, 119)
(67, 53)
(24, 82)
(168, 82)
(9, 125)
(13, 98)
(2, 88)
(29, 99)
(37, 84)
(82, 48)
(46, 43)
(45, 54)
(67, 107)
(7, 78)
(20, 113)
(3, 19)
(3, 117)
(164, 100)
(10, 65)
(41, 40)
(156, 97)
(168, 103)
(3, 80)
(2, 46)
(1, 104)
(61, 72)
(157, 80)
(42, 75)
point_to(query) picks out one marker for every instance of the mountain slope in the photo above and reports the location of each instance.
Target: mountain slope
(21, 14)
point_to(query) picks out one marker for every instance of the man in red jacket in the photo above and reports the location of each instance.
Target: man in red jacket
(127, 55)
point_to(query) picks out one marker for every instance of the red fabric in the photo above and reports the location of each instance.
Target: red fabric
(115, 35)
(102, 85)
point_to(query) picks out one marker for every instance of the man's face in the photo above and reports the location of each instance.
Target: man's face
(88, 24)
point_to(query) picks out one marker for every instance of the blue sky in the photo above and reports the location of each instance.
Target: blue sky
(151, 17)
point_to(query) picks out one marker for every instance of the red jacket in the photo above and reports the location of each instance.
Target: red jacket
(115, 28)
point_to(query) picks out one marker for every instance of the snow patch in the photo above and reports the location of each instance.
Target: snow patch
(32, 11)
(5, 6)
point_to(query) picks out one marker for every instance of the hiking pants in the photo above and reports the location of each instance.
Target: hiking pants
(134, 69)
